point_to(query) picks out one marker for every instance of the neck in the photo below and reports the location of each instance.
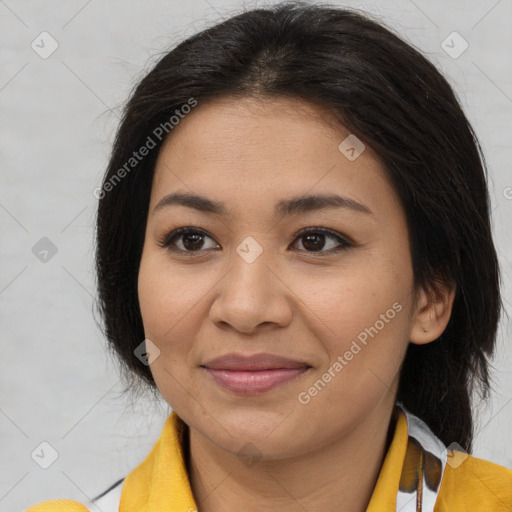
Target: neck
(339, 476)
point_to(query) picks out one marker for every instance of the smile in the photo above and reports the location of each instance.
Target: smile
(251, 382)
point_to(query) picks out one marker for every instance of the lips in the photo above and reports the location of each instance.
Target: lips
(261, 361)
(249, 375)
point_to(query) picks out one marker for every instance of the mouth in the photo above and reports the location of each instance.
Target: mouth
(249, 375)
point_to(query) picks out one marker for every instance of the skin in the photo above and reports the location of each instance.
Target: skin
(291, 301)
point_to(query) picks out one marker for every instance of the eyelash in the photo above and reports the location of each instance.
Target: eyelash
(167, 240)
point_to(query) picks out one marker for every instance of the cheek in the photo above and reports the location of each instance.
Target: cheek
(169, 317)
(171, 309)
(362, 316)
(350, 299)
(169, 299)
(363, 335)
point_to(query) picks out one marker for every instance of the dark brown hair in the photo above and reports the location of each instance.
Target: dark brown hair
(390, 96)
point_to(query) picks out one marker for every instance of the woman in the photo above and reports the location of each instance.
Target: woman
(294, 248)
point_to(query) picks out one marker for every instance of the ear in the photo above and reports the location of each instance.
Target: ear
(432, 312)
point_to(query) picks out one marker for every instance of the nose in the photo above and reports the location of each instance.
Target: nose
(252, 295)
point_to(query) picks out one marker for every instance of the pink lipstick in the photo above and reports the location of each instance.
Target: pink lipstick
(253, 374)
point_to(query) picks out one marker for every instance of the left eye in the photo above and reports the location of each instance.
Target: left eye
(192, 240)
(314, 239)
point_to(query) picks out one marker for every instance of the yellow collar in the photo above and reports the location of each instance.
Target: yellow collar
(415, 476)
(161, 481)
(384, 494)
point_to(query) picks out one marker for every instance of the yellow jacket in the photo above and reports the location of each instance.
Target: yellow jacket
(418, 475)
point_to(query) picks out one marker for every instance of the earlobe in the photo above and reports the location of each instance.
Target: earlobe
(433, 312)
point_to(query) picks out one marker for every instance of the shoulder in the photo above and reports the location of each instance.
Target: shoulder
(108, 501)
(58, 506)
(473, 484)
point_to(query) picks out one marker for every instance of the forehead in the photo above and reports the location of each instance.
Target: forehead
(228, 127)
(254, 150)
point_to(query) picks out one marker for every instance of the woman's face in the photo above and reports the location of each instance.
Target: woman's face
(340, 305)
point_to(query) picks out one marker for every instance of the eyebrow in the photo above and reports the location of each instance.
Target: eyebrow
(285, 207)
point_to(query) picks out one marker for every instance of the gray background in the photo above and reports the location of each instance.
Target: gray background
(58, 116)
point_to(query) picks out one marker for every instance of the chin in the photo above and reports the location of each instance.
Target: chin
(271, 431)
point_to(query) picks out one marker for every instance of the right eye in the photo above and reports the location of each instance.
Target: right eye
(191, 240)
